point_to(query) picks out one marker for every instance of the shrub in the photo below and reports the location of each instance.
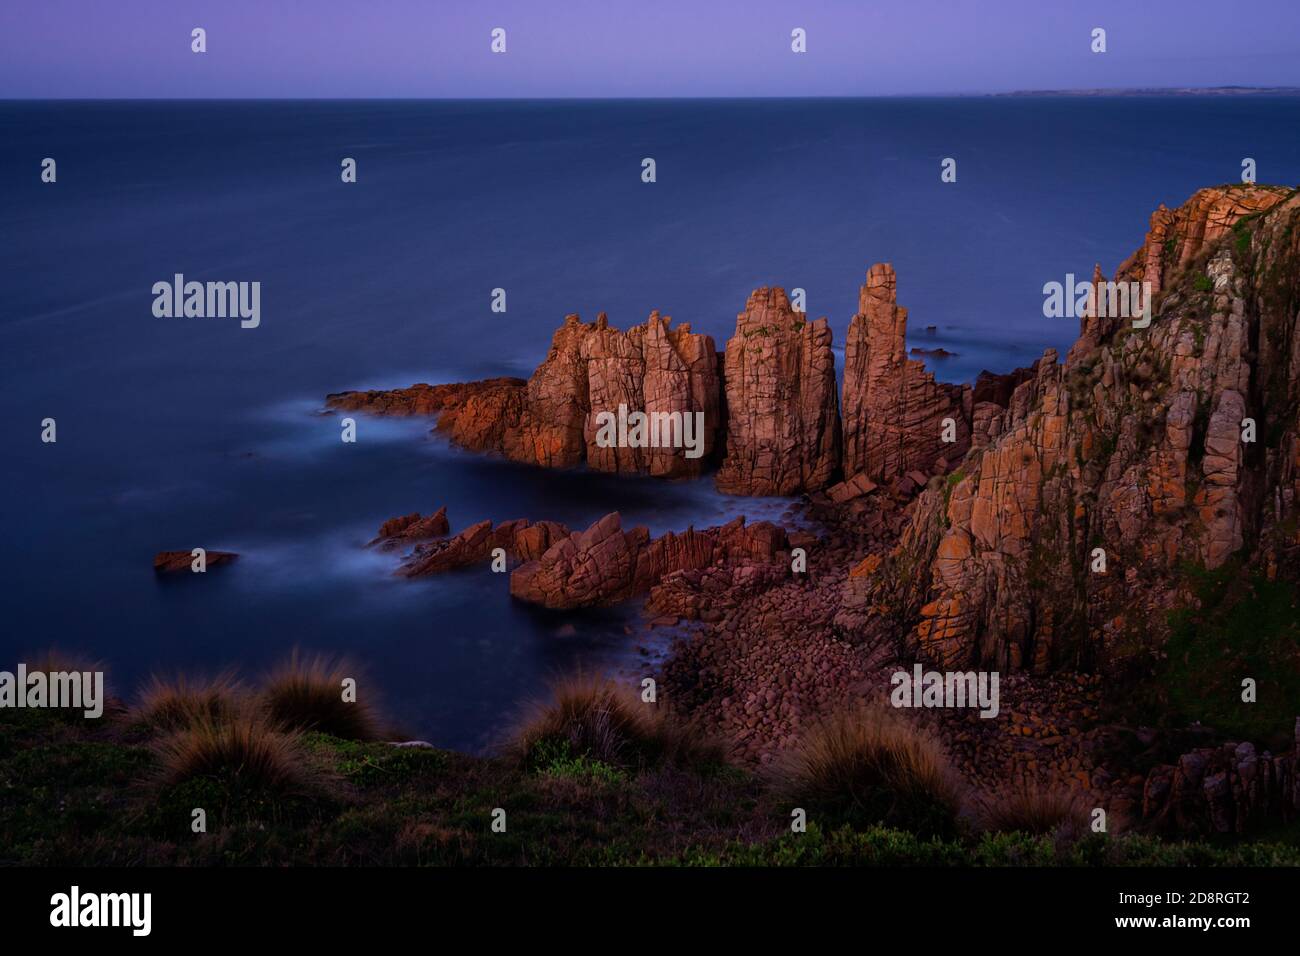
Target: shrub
(868, 766)
(307, 694)
(1245, 624)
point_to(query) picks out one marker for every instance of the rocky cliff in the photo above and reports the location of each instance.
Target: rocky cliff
(1065, 539)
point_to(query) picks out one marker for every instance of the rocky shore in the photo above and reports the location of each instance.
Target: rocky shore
(1051, 523)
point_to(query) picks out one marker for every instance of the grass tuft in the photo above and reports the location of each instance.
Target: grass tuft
(1035, 809)
(235, 770)
(594, 719)
(868, 766)
(307, 693)
(170, 704)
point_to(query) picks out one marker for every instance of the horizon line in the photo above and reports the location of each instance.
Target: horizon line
(1222, 89)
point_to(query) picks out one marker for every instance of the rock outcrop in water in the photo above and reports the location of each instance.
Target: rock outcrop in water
(605, 564)
(773, 395)
(399, 532)
(1135, 451)
(896, 416)
(422, 399)
(178, 562)
(553, 420)
(783, 424)
(520, 539)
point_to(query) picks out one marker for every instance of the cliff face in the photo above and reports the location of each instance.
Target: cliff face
(894, 410)
(1135, 446)
(783, 424)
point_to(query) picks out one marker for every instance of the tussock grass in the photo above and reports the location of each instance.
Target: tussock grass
(306, 693)
(868, 766)
(1035, 809)
(245, 751)
(595, 719)
(236, 770)
(173, 703)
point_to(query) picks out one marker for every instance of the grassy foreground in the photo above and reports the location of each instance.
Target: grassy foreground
(74, 792)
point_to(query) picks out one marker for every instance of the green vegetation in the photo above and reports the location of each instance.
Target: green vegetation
(1240, 625)
(83, 794)
(591, 778)
(595, 720)
(1241, 238)
(950, 484)
(554, 759)
(881, 846)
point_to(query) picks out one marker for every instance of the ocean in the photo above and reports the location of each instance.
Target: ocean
(183, 432)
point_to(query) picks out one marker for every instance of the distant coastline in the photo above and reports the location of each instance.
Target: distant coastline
(1165, 91)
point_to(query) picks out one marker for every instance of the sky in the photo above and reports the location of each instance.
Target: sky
(635, 48)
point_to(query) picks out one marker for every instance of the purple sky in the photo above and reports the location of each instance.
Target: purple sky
(440, 48)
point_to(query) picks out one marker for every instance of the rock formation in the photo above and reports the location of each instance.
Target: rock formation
(605, 564)
(1177, 237)
(894, 410)
(421, 399)
(780, 416)
(707, 594)
(783, 425)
